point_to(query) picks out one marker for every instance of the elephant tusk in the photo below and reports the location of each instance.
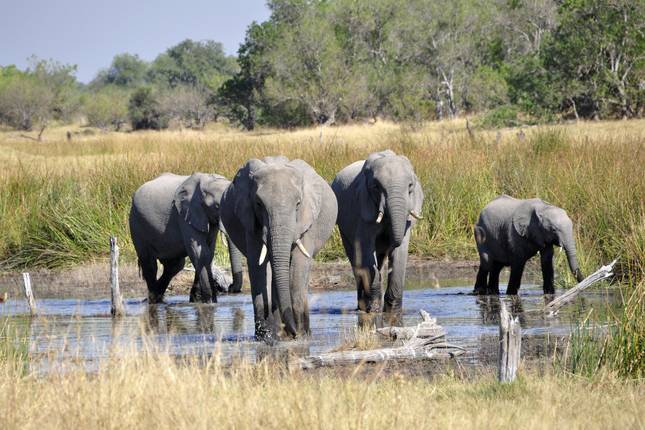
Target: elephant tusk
(379, 218)
(302, 248)
(263, 254)
(416, 215)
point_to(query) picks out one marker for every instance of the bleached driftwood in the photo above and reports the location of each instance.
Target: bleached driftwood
(604, 272)
(118, 308)
(428, 327)
(29, 294)
(427, 344)
(510, 342)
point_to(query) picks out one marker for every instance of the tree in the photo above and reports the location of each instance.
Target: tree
(193, 63)
(107, 108)
(25, 102)
(145, 111)
(189, 105)
(598, 50)
(126, 70)
(308, 67)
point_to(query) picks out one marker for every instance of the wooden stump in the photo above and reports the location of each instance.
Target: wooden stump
(29, 294)
(118, 308)
(510, 342)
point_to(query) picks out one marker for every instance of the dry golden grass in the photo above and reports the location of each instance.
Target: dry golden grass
(153, 390)
(60, 200)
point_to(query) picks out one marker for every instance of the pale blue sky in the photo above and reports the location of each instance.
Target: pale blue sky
(89, 33)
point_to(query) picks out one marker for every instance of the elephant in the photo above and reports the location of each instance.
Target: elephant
(379, 201)
(279, 213)
(510, 231)
(174, 217)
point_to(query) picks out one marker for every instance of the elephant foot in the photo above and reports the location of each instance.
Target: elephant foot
(264, 333)
(155, 298)
(236, 286)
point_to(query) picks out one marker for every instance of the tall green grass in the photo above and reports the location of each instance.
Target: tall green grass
(59, 202)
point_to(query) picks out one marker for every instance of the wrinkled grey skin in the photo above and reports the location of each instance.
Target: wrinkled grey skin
(174, 217)
(510, 231)
(273, 202)
(384, 182)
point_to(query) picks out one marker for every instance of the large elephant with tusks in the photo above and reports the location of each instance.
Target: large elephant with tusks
(379, 201)
(279, 213)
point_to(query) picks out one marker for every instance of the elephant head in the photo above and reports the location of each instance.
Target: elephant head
(198, 200)
(392, 191)
(545, 225)
(277, 204)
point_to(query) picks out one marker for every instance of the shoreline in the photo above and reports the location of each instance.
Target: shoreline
(92, 280)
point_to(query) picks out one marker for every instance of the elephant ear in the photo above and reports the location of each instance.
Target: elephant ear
(527, 223)
(189, 202)
(369, 207)
(244, 188)
(312, 195)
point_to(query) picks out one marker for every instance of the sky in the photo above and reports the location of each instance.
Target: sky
(89, 33)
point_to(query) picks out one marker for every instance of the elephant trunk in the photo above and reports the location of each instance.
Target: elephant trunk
(280, 243)
(398, 211)
(569, 245)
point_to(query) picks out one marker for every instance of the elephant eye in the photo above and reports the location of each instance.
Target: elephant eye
(411, 187)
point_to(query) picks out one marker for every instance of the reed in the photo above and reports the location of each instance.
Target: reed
(60, 201)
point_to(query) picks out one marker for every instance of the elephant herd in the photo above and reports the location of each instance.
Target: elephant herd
(278, 213)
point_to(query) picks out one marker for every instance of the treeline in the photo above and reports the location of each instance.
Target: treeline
(324, 62)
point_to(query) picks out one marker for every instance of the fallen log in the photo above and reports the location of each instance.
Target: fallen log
(428, 327)
(425, 342)
(603, 273)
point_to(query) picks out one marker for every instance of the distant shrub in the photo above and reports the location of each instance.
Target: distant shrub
(107, 109)
(145, 111)
(503, 116)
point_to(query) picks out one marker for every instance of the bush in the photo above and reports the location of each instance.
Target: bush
(503, 116)
(107, 108)
(145, 111)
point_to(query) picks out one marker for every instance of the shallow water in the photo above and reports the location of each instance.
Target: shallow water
(84, 329)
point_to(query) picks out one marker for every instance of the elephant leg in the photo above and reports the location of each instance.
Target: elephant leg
(170, 268)
(397, 263)
(516, 278)
(480, 282)
(366, 272)
(235, 257)
(299, 279)
(546, 261)
(148, 267)
(482, 273)
(493, 278)
(259, 293)
(201, 255)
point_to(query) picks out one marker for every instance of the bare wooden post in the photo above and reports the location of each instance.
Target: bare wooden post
(510, 342)
(29, 294)
(118, 308)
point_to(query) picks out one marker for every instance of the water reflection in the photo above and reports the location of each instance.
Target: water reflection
(84, 329)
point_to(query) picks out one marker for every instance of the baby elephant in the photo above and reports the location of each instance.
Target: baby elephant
(510, 231)
(173, 217)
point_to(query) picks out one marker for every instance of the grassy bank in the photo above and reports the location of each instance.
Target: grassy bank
(59, 200)
(154, 390)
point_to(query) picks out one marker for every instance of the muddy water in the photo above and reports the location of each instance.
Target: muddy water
(84, 329)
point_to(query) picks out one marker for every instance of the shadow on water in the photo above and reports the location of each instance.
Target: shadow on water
(85, 330)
